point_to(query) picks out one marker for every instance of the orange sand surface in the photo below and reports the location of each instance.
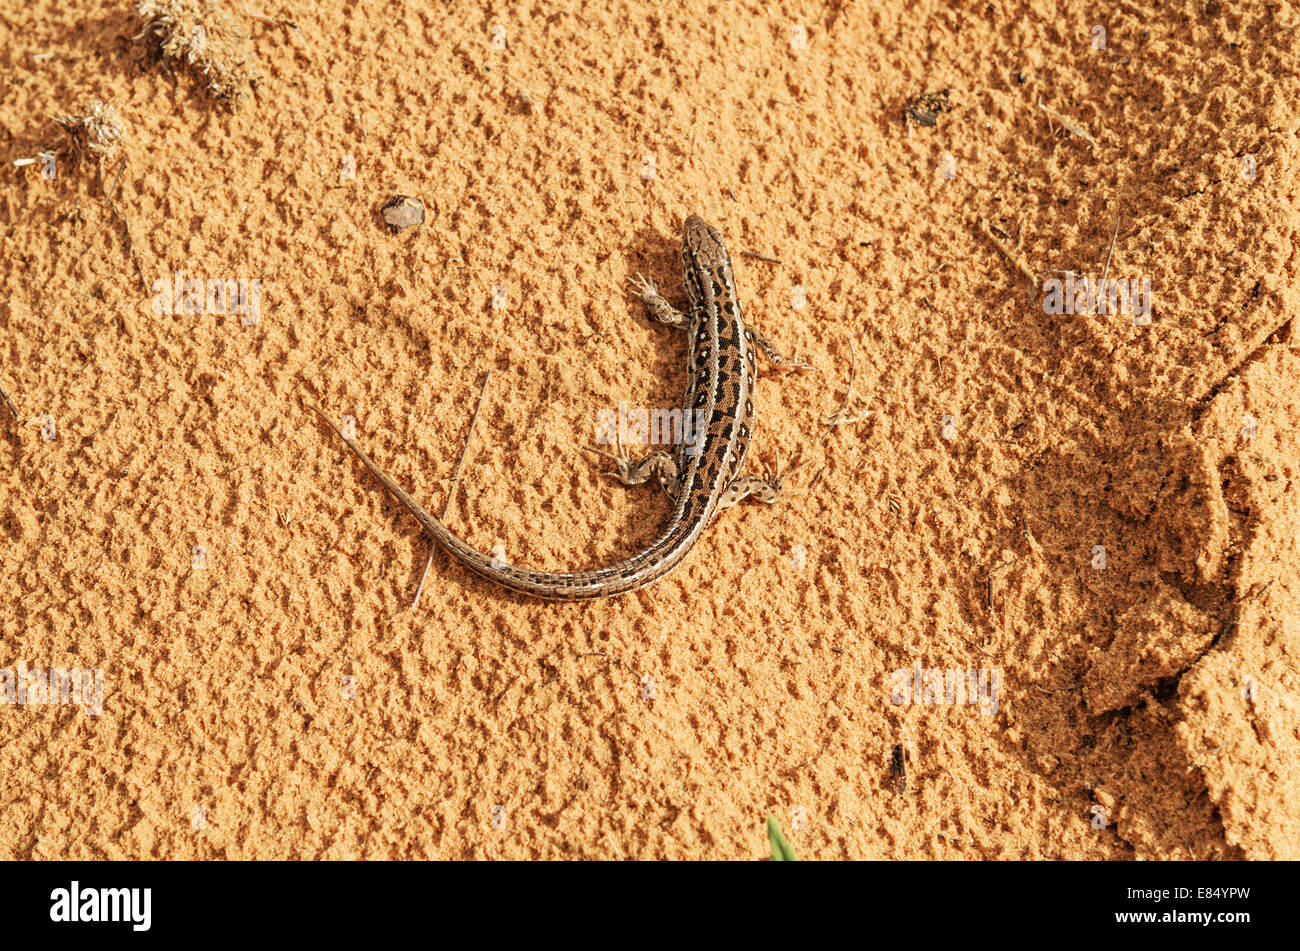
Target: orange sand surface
(246, 588)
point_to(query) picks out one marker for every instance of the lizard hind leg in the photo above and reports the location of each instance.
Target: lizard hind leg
(764, 489)
(774, 356)
(660, 465)
(768, 487)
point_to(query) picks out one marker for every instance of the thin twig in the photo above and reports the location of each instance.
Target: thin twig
(838, 418)
(126, 225)
(460, 466)
(455, 481)
(280, 22)
(759, 257)
(1109, 251)
(8, 402)
(1008, 253)
(117, 176)
(835, 419)
(1070, 125)
(1052, 690)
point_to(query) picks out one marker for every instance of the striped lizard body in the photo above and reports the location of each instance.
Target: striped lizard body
(702, 476)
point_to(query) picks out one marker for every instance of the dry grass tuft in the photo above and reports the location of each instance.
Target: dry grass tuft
(207, 39)
(98, 132)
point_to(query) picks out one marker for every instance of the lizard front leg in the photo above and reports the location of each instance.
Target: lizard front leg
(656, 306)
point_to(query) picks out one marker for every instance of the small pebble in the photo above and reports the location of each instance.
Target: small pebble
(401, 211)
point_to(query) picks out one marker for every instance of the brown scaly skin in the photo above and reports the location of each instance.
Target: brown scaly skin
(720, 393)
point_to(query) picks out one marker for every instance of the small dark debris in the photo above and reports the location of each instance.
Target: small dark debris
(898, 769)
(401, 211)
(1020, 78)
(925, 109)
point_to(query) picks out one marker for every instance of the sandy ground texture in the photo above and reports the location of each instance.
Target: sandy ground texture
(1089, 517)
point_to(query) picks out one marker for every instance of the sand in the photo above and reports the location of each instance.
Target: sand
(244, 589)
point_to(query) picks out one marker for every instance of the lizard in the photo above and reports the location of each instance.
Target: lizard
(702, 477)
